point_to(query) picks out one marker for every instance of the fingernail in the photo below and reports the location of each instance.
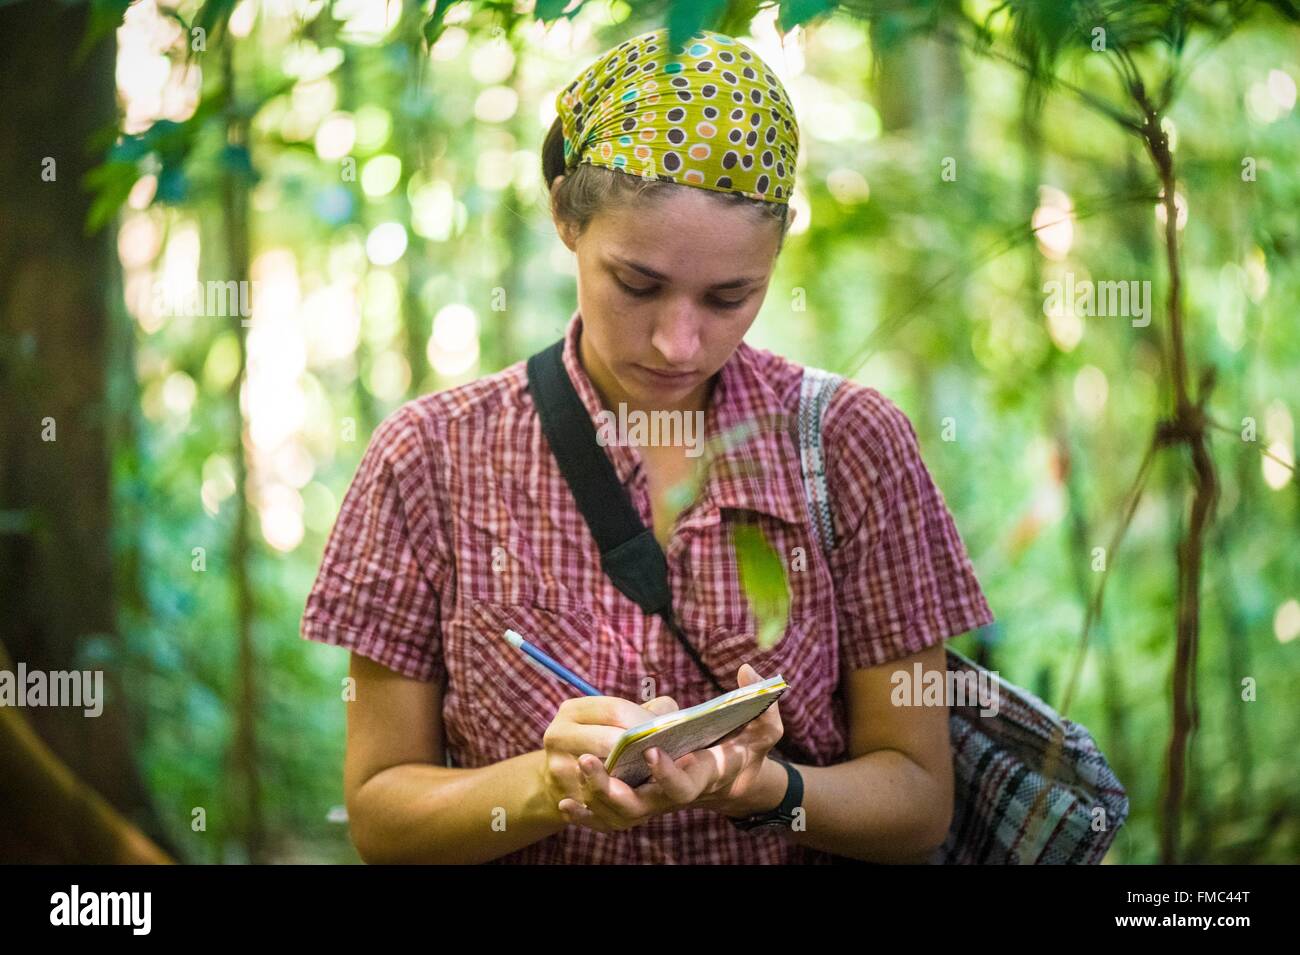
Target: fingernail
(651, 756)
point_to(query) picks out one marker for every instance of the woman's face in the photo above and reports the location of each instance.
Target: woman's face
(669, 286)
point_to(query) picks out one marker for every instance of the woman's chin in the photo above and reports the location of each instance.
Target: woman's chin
(645, 387)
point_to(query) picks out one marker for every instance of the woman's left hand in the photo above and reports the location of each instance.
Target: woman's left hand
(717, 777)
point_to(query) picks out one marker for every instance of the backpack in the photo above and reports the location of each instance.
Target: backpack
(1007, 809)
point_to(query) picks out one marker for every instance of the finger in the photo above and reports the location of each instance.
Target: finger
(566, 736)
(599, 787)
(604, 711)
(747, 675)
(661, 705)
(771, 718)
(772, 715)
(675, 782)
(567, 774)
(599, 815)
(701, 768)
(616, 797)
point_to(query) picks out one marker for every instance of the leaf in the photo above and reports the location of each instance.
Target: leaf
(762, 578)
(105, 17)
(213, 17)
(688, 16)
(433, 27)
(112, 183)
(798, 12)
(1288, 9)
(548, 10)
(173, 185)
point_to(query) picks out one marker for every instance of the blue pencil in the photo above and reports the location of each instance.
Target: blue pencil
(563, 672)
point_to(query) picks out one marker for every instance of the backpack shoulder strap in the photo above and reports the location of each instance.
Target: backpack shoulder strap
(629, 553)
(815, 393)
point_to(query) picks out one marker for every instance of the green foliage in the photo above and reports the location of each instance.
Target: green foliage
(763, 579)
(165, 146)
(434, 25)
(105, 17)
(549, 10)
(213, 17)
(929, 290)
(796, 13)
(684, 19)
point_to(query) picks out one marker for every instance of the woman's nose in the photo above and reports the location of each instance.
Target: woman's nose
(677, 334)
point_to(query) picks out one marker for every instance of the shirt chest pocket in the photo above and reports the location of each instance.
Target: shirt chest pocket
(512, 699)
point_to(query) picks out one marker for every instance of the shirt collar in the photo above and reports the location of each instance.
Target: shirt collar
(626, 459)
(757, 467)
(747, 429)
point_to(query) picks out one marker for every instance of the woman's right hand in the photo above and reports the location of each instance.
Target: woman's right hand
(588, 724)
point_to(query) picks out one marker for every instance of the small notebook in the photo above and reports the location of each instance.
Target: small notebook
(694, 728)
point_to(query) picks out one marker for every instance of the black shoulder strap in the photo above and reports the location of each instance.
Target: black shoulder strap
(629, 553)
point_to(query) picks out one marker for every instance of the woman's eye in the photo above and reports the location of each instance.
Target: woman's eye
(638, 292)
(635, 292)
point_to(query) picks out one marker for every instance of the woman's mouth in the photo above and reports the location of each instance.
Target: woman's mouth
(665, 377)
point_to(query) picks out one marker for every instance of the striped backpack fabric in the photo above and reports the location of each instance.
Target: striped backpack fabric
(1031, 787)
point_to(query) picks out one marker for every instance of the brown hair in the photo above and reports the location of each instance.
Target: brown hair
(588, 189)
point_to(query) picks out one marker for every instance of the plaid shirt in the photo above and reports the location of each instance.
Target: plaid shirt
(458, 524)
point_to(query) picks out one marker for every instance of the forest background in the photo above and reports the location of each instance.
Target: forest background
(367, 172)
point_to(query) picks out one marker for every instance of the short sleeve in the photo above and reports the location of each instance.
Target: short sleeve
(377, 590)
(903, 579)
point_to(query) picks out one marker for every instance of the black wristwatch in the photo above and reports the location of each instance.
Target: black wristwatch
(782, 815)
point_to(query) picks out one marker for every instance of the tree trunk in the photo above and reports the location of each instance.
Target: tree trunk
(52, 817)
(246, 781)
(56, 571)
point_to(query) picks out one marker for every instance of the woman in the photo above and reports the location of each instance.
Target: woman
(670, 179)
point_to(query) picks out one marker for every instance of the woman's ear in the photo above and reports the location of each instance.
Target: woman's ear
(565, 232)
(561, 226)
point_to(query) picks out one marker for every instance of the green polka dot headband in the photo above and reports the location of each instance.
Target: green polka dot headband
(712, 116)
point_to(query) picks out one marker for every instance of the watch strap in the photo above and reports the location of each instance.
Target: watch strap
(783, 814)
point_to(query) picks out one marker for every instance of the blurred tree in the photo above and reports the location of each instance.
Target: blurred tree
(1040, 38)
(56, 569)
(50, 815)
